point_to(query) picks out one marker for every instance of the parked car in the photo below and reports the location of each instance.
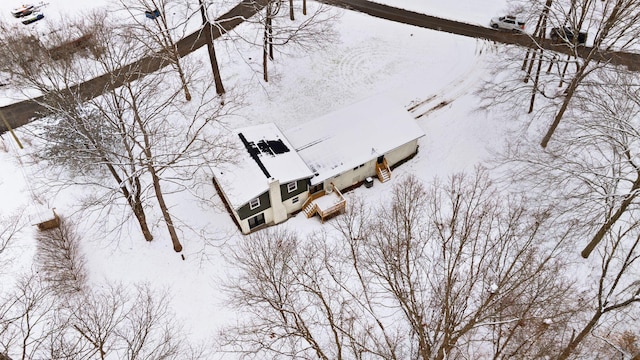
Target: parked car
(33, 17)
(563, 34)
(23, 10)
(507, 22)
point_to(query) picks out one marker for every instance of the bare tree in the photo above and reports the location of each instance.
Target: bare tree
(109, 322)
(10, 226)
(139, 135)
(32, 67)
(617, 289)
(145, 113)
(140, 327)
(158, 30)
(445, 272)
(591, 174)
(280, 31)
(616, 28)
(24, 318)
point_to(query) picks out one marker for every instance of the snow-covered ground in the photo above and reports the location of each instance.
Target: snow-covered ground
(371, 57)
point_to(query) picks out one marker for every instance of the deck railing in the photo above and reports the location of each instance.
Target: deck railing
(336, 208)
(311, 198)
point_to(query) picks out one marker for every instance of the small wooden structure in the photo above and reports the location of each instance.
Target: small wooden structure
(325, 204)
(382, 170)
(47, 220)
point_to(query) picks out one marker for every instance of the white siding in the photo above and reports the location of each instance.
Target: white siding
(291, 207)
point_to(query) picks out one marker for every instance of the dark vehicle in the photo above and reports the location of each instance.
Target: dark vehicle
(152, 14)
(565, 34)
(32, 18)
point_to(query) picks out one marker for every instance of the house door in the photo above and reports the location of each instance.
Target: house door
(256, 221)
(380, 159)
(315, 189)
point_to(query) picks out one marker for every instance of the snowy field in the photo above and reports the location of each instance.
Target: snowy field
(371, 57)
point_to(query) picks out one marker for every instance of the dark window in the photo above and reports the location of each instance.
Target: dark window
(292, 186)
(256, 221)
(316, 188)
(254, 204)
(294, 200)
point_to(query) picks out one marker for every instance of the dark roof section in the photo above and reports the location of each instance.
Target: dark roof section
(270, 147)
(253, 152)
(273, 147)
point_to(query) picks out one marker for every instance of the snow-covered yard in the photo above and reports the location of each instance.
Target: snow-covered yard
(434, 74)
(371, 57)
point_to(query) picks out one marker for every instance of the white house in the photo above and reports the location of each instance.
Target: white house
(365, 139)
(279, 174)
(267, 182)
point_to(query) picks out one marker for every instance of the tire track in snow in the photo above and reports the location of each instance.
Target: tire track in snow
(459, 86)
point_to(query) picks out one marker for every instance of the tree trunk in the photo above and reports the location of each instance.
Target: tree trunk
(291, 15)
(532, 61)
(525, 61)
(138, 210)
(163, 207)
(133, 200)
(171, 46)
(183, 80)
(155, 178)
(564, 71)
(265, 49)
(536, 80)
(213, 59)
(270, 37)
(573, 85)
(539, 34)
(612, 220)
(573, 344)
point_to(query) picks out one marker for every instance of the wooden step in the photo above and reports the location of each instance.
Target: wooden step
(310, 210)
(384, 175)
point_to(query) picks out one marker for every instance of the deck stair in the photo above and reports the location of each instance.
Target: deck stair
(383, 171)
(310, 209)
(336, 204)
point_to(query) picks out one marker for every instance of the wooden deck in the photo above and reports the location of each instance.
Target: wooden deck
(326, 205)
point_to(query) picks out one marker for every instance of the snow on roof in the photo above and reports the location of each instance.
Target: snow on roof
(344, 139)
(263, 153)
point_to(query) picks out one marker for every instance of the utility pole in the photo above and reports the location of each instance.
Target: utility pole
(8, 127)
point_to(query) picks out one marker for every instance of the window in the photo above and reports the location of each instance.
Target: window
(254, 204)
(292, 186)
(294, 200)
(256, 221)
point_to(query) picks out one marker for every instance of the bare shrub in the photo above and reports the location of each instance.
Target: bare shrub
(61, 260)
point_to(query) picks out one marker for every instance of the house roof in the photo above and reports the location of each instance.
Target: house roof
(344, 139)
(263, 153)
